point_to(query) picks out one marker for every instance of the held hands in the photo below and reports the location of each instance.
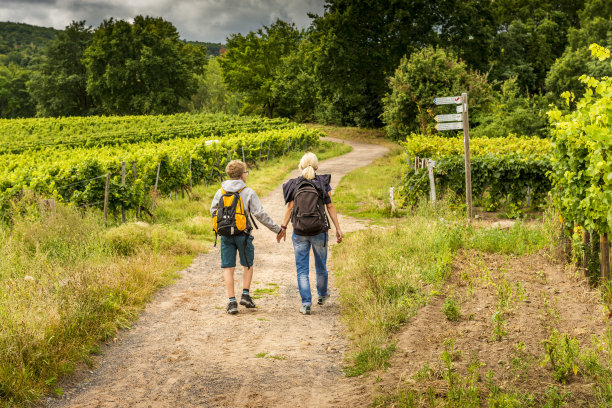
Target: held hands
(281, 235)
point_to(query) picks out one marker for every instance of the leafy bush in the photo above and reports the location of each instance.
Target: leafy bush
(428, 73)
(451, 309)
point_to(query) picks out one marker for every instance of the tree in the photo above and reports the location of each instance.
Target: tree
(251, 62)
(511, 112)
(420, 78)
(15, 101)
(212, 94)
(595, 27)
(141, 68)
(60, 85)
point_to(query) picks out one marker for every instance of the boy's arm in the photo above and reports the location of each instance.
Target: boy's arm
(215, 203)
(257, 211)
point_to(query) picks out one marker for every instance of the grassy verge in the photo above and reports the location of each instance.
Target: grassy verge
(67, 283)
(364, 193)
(400, 267)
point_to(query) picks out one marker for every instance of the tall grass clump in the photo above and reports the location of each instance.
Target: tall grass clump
(65, 284)
(384, 275)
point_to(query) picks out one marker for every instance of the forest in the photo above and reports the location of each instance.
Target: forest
(364, 63)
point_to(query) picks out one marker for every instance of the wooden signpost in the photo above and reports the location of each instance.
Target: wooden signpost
(456, 122)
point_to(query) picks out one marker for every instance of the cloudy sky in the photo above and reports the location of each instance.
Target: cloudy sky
(202, 20)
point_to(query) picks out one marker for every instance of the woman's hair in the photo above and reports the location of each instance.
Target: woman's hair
(308, 165)
(235, 168)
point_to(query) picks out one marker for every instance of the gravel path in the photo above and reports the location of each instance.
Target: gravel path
(185, 351)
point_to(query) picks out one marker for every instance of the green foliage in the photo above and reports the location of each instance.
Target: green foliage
(17, 136)
(21, 44)
(563, 354)
(251, 61)
(76, 174)
(212, 94)
(512, 113)
(528, 47)
(426, 74)
(59, 86)
(496, 179)
(15, 101)
(432, 146)
(582, 156)
(141, 67)
(451, 309)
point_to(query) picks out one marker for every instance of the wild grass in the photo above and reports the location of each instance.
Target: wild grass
(393, 275)
(364, 192)
(67, 283)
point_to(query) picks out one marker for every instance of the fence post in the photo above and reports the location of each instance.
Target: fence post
(604, 249)
(432, 183)
(268, 155)
(190, 178)
(243, 159)
(260, 149)
(155, 190)
(122, 198)
(586, 243)
(134, 170)
(106, 192)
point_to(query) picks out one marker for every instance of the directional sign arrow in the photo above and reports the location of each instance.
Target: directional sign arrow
(447, 100)
(448, 118)
(450, 126)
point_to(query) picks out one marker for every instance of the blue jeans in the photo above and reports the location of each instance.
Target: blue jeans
(301, 247)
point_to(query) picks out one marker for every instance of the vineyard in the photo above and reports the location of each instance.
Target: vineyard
(164, 153)
(511, 171)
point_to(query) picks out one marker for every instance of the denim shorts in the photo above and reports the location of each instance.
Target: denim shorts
(243, 244)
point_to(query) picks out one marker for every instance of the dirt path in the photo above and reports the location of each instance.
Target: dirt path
(185, 351)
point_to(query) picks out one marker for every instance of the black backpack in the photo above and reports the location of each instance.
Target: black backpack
(308, 215)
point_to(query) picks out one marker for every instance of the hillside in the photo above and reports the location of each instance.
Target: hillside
(22, 43)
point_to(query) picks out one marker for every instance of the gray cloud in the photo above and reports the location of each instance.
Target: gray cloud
(203, 20)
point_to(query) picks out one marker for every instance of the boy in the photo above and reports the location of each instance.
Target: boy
(243, 242)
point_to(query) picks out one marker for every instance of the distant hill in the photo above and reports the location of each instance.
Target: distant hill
(212, 49)
(22, 43)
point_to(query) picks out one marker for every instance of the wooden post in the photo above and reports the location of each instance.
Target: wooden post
(229, 156)
(268, 156)
(123, 185)
(432, 183)
(586, 243)
(155, 189)
(134, 170)
(260, 149)
(416, 160)
(47, 205)
(468, 167)
(190, 178)
(243, 160)
(604, 249)
(106, 193)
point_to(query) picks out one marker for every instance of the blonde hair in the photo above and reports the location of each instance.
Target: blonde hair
(235, 168)
(308, 165)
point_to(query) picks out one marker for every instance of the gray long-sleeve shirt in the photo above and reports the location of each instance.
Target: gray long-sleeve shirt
(251, 201)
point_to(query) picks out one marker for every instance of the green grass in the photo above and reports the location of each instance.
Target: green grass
(67, 283)
(399, 267)
(364, 192)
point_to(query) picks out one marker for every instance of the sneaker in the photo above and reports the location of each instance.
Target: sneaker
(305, 309)
(322, 300)
(232, 308)
(247, 302)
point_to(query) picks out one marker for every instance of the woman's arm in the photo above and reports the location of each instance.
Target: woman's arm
(283, 233)
(332, 213)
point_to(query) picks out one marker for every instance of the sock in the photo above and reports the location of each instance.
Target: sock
(233, 299)
(245, 291)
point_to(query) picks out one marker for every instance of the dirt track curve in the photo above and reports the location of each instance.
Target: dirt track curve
(185, 351)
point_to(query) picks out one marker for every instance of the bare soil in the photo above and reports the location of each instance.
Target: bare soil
(554, 297)
(185, 351)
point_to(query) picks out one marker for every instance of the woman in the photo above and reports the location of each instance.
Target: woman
(307, 197)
